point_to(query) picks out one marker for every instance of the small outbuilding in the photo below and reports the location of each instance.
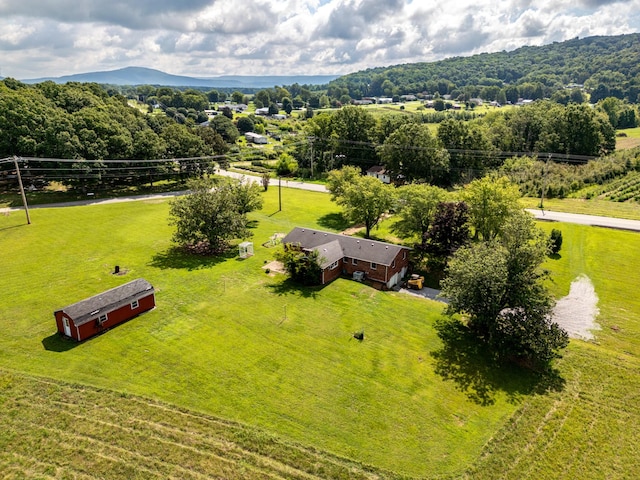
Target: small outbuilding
(96, 314)
(245, 249)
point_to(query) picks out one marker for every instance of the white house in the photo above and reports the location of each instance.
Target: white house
(380, 173)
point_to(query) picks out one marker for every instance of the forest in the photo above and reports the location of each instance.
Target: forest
(607, 66)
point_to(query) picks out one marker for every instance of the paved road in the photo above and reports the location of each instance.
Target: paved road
(546, 215)
(593, 220)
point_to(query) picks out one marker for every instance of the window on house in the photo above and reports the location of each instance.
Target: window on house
(393, 264)
(404, 254)
(102, 319)
(354, 261)
(134, 304)
(374, 266)
(333, 266)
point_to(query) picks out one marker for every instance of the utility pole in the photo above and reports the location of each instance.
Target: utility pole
(279, 194)
(24, 197)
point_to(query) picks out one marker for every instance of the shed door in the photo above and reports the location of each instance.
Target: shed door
(67, 328)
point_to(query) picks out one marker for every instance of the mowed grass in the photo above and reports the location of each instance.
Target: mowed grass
(57, 430)
(230, 345)
(588, 429)
(228, 340)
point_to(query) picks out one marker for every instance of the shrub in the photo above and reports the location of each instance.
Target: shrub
(555, 241)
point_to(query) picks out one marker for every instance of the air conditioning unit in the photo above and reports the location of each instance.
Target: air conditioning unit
(358, 276)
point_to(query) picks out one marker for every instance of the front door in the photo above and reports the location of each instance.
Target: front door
(67, 328)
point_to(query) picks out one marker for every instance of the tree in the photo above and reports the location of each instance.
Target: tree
(224, 127)
(491, 202)
(412, 153)
(470, 149)
(236, 97)
(353, 126)
(245, 124)
(287, 105)
(303, 267)
(365, 199)
(286, 165)
(208, 218)
(265, 178)
(273, 108)
(499, 285)
(418, 204)
(449, 230)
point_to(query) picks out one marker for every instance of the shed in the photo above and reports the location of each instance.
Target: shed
(96, 314)
(245, 249)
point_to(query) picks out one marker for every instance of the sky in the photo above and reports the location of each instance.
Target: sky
(208, 38)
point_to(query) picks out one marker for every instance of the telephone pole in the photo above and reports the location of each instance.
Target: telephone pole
(24, 197)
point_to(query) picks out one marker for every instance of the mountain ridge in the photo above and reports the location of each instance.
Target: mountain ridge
(150, 76)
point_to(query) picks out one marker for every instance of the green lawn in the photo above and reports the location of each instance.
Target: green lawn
(230, 341)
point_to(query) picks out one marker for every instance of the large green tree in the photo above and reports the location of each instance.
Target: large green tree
(499, 286)
(412, 153)
(418, 204)
(491, 202)
(210, 216)
(365, 199)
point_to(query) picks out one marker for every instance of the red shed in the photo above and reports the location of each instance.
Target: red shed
(93, 315)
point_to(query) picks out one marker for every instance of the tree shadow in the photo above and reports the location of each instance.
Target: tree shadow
(58, 343)
(178, 258)
(554, 256)
(467, 362)
(290, 287)
(334, 221)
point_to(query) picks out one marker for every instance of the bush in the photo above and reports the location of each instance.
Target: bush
(555, 241)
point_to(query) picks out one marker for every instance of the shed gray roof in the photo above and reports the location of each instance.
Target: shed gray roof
(352, 247)
(105, 302)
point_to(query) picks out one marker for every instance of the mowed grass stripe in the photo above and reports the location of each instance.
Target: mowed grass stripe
(196, 443)
(39, 421)
(587, 430)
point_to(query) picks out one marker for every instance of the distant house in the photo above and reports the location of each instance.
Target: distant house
(253, 137)
(383, 100)
(380, 173)
(96, 314)
(383, 264)
(262, 111)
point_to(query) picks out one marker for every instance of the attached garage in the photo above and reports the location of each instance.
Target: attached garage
(96, 314)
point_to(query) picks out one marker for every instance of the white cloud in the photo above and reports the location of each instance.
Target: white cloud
(213, 37)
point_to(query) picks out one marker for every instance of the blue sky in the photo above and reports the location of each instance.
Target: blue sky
(283, 37)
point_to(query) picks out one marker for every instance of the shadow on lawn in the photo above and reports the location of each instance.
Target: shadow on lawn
(465, 361)
(289, 287)
(58, 343)
(178, 257)
(334, 221)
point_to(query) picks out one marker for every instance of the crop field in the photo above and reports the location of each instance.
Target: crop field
(239, 374)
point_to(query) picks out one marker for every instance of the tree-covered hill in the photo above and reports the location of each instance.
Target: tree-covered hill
(605, 65)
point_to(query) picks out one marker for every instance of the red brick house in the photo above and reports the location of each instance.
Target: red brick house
(96, 314)
(382, 263)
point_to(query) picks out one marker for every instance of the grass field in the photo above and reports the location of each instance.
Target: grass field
(230, 345)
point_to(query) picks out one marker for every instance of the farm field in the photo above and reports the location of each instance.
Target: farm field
(230, 344)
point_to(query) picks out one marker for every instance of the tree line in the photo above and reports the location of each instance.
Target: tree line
(459, 150)
(82, 122)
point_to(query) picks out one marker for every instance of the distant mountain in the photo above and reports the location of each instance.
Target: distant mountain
(149, 76)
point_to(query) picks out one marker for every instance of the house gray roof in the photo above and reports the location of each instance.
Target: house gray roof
(105, 302)
(352, 247)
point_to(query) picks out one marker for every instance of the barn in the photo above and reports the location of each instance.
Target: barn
(96, 314)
